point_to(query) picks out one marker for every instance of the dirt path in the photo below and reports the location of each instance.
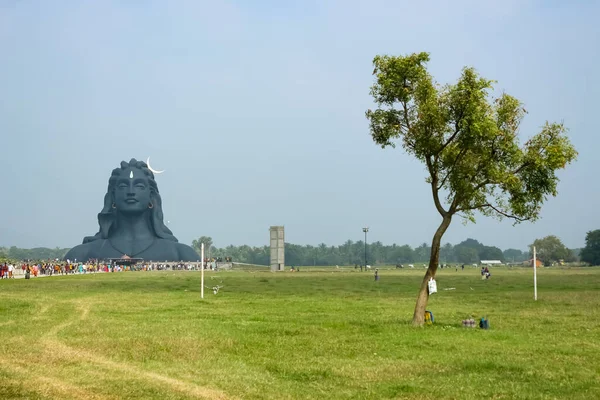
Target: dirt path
(56, 352)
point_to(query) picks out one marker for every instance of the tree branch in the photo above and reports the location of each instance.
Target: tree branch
(471, 208)
(496, 209)
(457, 130)
(525, 164)
(406, 121)
(507, 215)
(528, 163)
(460, 154)
(434, 187)
(453, 206)
(450, 139)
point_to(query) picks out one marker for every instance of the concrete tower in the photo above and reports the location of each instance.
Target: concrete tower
(277, 248)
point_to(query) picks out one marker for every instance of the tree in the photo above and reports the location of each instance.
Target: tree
(422, 252)
(207, 240)
(550, 249)
(591, 252)
(466, 255)
(471, 243)
(490, 253)
(401, 254)
(447, 253)
(469, 144)
(468, 251)
(514, 255)
(576, 252)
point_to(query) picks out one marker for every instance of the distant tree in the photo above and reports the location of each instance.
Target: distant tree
(466, 255)
(197, 243)
(347, 253)
(469, 144)
(293, 254)
(576, 253)
(447, 253)
(376, 253)
(591, 252)
(490, 253)
(514, 255)
(550, 249)
(471, 243)
(400, 254)
(422, 252)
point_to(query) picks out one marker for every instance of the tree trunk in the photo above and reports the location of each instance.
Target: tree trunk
(419, 315)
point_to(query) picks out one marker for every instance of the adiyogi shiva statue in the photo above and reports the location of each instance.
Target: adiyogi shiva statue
(131, 221)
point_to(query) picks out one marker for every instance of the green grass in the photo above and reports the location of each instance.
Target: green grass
(321, 333)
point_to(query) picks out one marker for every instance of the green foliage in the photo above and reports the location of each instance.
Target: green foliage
(471, 243)
(197, 244)
(467, 139)
(466, 255)
(591, 252)
(471, 251)
(491, 253)
(39, 253)
(422, 252)
(515, 255)
(551, 250)
(352, 253)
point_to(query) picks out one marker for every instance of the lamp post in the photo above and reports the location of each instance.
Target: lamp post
(365, 230)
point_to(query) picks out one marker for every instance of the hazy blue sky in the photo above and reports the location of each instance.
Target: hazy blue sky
(256, 111)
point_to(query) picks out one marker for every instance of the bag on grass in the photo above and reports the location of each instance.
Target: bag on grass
(432, 286)
(484, 323)
(429, 317)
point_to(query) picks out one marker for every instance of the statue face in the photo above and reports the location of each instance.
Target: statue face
(132, 191)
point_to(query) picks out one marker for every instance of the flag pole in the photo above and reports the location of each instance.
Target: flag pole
(534, 275)
(202, 269)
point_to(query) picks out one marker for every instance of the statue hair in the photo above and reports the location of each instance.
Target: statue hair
(107, 218)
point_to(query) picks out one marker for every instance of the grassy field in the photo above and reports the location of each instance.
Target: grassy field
(314, 334)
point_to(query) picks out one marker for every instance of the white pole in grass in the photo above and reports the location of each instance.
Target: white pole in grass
(202, 269)
(534, 275)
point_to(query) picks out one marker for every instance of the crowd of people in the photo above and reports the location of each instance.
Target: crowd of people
(7, 271)
(30, 268)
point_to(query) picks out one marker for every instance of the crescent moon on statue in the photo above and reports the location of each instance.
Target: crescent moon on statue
(151, 169)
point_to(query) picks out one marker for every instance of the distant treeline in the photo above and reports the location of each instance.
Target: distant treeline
(350, 253)
(38, 253)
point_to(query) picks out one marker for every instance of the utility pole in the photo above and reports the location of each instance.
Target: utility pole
(534, 274)
(365, 230)
(202, 273)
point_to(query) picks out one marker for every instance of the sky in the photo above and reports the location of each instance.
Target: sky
(256, 110)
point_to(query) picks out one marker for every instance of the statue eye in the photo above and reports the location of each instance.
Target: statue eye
(140, 186)
(122, 186)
